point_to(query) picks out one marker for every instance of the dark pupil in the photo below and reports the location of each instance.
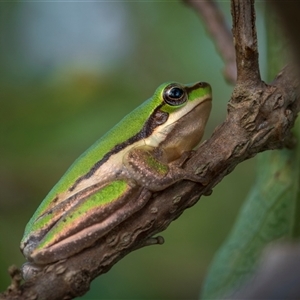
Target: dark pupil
(175, 93)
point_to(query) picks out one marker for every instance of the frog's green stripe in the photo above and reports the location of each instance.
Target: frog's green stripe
(51, 217)
(157, 118)
(65, 225)
(69, 202)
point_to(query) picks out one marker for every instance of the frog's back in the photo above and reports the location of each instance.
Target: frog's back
(128, 127)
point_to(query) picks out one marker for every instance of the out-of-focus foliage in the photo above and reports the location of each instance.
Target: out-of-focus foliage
(269, 214)
(69, 72)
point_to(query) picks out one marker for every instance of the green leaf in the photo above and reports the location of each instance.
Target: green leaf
(270, 213)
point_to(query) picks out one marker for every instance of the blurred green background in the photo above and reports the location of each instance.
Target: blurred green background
(69, 72)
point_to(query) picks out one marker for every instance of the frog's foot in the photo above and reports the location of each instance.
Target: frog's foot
(182, 159)
(149, 171)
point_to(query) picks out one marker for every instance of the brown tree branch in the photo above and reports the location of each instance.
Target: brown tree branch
(221, 35)
(245, 41)
(259, 118)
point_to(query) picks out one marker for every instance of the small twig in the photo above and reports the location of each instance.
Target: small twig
(221, 35)
(245, 42)
(16, 278)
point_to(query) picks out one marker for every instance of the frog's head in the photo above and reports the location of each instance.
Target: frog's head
(184, 111)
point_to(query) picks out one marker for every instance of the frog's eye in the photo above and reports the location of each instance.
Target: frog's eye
(174, 95)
